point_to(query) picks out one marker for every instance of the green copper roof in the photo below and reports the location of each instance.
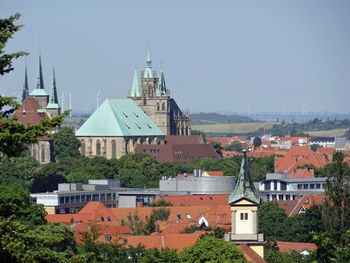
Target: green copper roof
(244, 187)
(38, 92)
(119, 117)
(148, 70)
(135, 92)
(53, 100)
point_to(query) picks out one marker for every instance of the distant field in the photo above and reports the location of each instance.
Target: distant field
(329, 133)
(233, 127)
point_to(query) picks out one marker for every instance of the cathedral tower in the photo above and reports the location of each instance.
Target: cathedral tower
(52, 108)
(154, 99)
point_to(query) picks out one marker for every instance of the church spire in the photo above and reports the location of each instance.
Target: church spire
(39, 78)
(148, 70)
(244, 187)
(135, 92)
(25, 92)
(161, 89)
(53, 99)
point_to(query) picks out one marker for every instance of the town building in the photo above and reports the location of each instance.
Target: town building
(325, 142)
(154, 98)
(282, 187)
(244, 201)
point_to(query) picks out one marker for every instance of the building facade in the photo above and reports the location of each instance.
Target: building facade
(154, 99)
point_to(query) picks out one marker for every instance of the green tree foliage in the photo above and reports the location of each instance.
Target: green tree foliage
(161, 203)
(234, 146)
(202, 134)
(65, 144)
(217, 146)
(275, 256)
(336, 208)
(212, 249)
(15, 204)
(257, 141)
(154, 255)
(42, 183)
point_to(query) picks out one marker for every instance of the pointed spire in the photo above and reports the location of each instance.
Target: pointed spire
(161, 89)
(148, 70)
(244, 187)
(25, 92)
(135, 92)
(39, 78)
(53, 99)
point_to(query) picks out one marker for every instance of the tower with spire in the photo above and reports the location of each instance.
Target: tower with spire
(53, 108)
(154, 98)
(25, 93)
(244, 201)
(39, 92)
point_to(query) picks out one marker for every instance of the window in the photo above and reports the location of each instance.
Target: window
(283, 186)
(188, 216)
(61, 200)
(157, 106)
(306, 186)
(268, 197)
(280, 197)
(287, 197)
(98, 148)
(72, 199)
(179, 216)
(42, 153)
(109, 219)
(108, 237)
(312, 186)
(244, 216)
(318, 186)
(163, 106)
(275, 185)
(324, 186)
(83, 198)
(267, 185)
(102, 219)
(114, 149)
(109, 197)
(300, 186)
(82, 147)
(102, 197)
(66, 200)
(273, 196)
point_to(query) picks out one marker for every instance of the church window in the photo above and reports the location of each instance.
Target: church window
(42, 153)
(244, 216)
(114, 149)
(82, 147)
(157, 106)
(98, 148)
(163, 106)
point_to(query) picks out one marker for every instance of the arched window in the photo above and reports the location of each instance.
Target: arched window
(157, 106)
(98, 148)
(163, 106)
(82, 147)
(42, 153)
(114, 149)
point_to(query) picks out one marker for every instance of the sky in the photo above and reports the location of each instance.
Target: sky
(217, 56)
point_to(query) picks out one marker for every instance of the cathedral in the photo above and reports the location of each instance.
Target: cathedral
(36, 105)
(154, 99)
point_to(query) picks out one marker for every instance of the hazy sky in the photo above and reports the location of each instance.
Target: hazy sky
(217, 55)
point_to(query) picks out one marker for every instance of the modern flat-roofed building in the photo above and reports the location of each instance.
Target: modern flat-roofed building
(279, 186)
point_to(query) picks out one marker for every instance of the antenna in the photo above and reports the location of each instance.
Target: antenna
(70, 104)
(97, 98)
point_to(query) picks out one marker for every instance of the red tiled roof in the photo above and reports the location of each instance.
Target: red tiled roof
(250, 254)
(287, 205)
(298, 246)
(227, 140)
(197, 200)
(178, 153)
(228, 154)
(30, 106)
(188, 139)
(215, 173)
(172, 241)
(303, 173)
(306, 201)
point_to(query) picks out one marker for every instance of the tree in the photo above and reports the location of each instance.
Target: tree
(314, 147)
(154, 255)
(217, 146)
(65, 144)
(212, 249)
(234, 146)
(336, 208)
(257, 141)
(42, 183)
(14, 136)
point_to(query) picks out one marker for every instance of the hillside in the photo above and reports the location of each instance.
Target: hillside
(216, 118)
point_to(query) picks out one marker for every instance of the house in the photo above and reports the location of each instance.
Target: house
(302, 248)
(301, 203)
(325, 142)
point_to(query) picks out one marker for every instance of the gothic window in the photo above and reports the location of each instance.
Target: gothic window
(157, 106)
(114, 149)
(42, 153)
(82, 147)
(98, 148)
(144, 101)
(163, 106)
